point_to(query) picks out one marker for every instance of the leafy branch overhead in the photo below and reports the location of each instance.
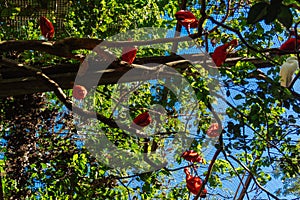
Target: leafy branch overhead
(269, 12)
(210, 111)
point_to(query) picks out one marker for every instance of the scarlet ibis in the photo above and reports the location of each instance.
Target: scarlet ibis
(290, 45)
(194, 184)
(293, 33)
(192, 156)
(213, 130)
(187, 19)
(287, 71)
(47, 28)
(79, 92)
(221, 52)
(129, 54)
(143, 119)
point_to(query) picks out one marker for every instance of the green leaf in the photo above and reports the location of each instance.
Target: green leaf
(228, 93)
(257, 12)
(272, 12)
(296, 109)
(237, 97)
(285, 16)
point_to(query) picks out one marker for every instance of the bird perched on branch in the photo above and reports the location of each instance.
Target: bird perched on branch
(143, 119)
(221, 52)
(47, 28)
(79, 92)
(287, 71)
(187, 19)
(292, 43)
(129, 54)
(194, 183)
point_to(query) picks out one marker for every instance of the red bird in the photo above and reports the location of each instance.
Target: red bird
(192, 156)
(79, 92)
(143, 119)
(47, 28)
(290, 45)
(129, 54)
(186, 19)
(220, 53)
(213, 130)
(293, 33)
(194, 184)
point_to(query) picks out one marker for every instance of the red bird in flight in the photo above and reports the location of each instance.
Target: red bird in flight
(47, 28)
(220, 53)
(187, 19)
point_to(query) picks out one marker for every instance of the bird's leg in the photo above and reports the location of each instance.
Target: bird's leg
(188, 29)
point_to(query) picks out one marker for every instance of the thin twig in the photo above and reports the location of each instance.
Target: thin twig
(233, 168)
(223, 20)
(253, 177)
(242, 39)
(202, 18)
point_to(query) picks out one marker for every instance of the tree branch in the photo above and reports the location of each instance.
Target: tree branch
(223, 19)
(61, 95)
(209, 171)
(202, 18)
(65, 46)
(253, 177)
(178, 28)
(242, 39)
(233, 168)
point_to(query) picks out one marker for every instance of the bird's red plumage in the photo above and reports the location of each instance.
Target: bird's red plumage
(186, 19)
(194, 184)
(184, 14)
(79, 92)
(290, 44)
(213, 130)
(143, 119)
(220, 53)
(192, 156)
(47, 28)
(129, 54)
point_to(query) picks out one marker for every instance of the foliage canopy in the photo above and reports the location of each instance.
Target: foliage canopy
(45, 155)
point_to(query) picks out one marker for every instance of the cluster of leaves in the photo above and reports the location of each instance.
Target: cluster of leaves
(103, 19)
(41, 140)
(42, 155)
(269, 12)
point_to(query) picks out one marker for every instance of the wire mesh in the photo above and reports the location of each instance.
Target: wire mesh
(17, 13)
